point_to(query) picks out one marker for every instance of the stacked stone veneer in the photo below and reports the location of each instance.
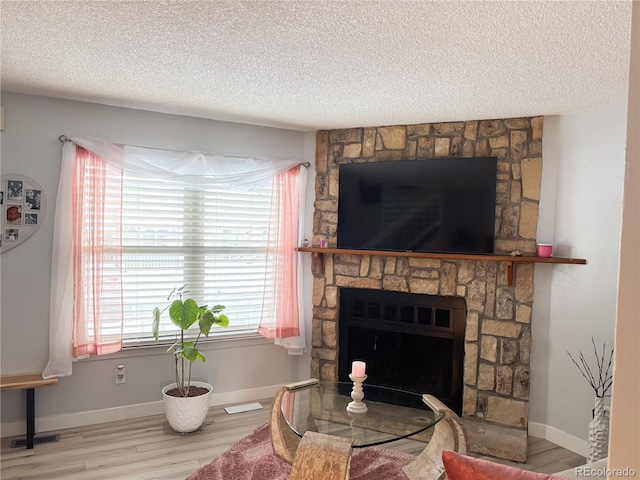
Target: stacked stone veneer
(498, 334)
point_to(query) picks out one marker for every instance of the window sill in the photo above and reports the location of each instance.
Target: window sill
(234, 340)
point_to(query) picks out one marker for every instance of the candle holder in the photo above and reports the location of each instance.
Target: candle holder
(357, 394)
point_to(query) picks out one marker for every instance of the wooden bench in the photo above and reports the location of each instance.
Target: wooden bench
(28, 382)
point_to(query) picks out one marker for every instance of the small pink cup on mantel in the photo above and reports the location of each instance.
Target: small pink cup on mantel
(545, 250)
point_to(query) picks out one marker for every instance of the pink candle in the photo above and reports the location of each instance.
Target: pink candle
(358, 368)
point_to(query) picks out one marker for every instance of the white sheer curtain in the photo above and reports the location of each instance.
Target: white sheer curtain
(188, 168)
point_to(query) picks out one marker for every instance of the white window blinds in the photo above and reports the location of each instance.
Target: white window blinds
(212, 240)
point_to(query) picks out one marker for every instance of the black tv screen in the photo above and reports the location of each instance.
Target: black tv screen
(437, 205)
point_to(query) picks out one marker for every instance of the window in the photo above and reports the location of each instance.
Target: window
(132, 223)
(212, 240)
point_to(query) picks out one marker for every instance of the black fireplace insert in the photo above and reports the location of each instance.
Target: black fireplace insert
(413, 342)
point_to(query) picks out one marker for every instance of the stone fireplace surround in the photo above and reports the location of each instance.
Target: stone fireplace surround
(498, 334)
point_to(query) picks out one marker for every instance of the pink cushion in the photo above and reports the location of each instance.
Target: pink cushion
(461, 467)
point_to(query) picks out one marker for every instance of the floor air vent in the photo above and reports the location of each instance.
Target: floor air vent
(22, 442)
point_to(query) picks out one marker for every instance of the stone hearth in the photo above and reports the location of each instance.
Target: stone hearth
(498, 335)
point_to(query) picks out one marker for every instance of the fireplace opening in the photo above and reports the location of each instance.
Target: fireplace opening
(409, 341)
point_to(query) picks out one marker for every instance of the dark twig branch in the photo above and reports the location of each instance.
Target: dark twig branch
(601, 383)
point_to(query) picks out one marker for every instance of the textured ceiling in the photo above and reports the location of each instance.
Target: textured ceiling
(318, 64)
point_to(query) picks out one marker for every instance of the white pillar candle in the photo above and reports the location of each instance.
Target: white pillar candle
(358, 369)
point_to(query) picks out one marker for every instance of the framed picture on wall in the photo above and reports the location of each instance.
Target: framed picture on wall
(14, 190)
(32, 199)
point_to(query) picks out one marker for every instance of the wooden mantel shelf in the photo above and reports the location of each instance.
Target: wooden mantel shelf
(510, 259)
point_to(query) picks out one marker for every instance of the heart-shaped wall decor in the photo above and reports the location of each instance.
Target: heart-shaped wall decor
(23, 205)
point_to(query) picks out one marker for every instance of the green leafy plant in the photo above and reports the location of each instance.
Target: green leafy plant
(184, 314)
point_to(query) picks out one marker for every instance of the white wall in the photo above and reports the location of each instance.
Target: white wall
(580, 213)
(30, 147)
(624, 444)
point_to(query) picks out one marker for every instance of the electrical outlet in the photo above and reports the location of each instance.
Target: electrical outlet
(120, 374)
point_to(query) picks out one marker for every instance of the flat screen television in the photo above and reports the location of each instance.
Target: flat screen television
(437, 205)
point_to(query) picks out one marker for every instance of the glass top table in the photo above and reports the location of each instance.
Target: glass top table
(391, 414)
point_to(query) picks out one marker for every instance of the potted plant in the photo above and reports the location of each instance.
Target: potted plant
(187, 402)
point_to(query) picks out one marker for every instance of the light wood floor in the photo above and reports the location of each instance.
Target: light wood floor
(147, 448)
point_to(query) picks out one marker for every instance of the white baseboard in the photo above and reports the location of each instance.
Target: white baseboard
(563, 439)
(94, 417)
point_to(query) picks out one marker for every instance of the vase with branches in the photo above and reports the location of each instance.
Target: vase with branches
(600, 379)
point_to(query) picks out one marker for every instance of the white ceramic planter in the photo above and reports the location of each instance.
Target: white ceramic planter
(186, 414)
